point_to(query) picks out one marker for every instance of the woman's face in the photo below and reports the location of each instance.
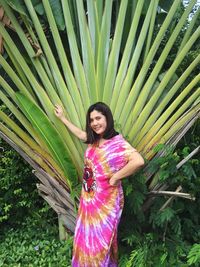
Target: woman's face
(98, 122)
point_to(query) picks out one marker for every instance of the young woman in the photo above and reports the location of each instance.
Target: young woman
(108, 159)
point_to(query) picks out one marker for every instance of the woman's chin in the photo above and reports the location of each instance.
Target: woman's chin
(98, 132)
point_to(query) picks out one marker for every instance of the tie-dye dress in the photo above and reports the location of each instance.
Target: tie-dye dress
(100, 208)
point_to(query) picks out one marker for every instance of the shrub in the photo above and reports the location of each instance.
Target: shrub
(34, 244)
(18, 195)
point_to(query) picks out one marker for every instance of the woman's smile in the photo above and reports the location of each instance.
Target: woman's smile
(98, 122)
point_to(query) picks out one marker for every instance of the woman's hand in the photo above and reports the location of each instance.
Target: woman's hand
(113, 181)
(59, 111)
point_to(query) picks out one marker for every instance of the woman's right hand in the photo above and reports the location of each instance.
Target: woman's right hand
(58, 110)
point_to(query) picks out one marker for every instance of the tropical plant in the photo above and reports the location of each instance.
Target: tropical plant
(194, 255)
(35, 243)
(107, 51)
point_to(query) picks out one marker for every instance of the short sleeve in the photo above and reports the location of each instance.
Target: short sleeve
(128, 150)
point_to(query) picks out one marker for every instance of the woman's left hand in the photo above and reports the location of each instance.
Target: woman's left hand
(113, 181)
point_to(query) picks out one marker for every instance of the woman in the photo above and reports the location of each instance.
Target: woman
(108, 159)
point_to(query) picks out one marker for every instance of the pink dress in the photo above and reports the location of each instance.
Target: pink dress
(95, 240)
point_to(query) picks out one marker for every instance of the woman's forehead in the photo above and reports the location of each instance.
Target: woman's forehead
(95, 114)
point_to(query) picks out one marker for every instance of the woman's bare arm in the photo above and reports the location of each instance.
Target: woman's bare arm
(74, 129)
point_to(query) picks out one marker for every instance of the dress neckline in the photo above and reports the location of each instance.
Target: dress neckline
(107, 141)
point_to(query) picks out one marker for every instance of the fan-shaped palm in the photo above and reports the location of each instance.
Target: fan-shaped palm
(95, 60)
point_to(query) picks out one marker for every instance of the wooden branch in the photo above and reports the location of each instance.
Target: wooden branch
(47, 179)
(171, 193)
(177, 136)
(173, 141)
(160, 187)
(179, 188)
(195, 151)
(69, 222)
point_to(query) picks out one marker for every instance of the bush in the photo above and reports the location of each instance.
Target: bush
(28, 226)
(34, 244)
(18, 195)
(156, 238)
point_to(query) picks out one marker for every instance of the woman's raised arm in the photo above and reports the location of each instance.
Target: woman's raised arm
(74, 129)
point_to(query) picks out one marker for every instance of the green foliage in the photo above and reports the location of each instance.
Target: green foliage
(153, 253)
(56, 8)
(165, 237)
(50, 135)
(137, 258)
(28, 226)
(18, 194)
(34, 244)
(194, 255)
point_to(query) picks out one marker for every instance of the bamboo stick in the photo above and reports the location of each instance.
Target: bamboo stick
(179, 188)
(171, 193)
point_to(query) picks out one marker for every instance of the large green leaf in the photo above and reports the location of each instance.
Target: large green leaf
(50, 135)
(20, 7)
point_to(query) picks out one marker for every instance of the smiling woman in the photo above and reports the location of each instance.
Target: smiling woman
(108, 159)
(98, 122)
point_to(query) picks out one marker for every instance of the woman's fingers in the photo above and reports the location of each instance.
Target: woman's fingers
(58, 110)
(113, 182)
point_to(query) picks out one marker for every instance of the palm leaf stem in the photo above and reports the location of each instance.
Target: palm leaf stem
(166, 115)
(69, 78)
(31, 143)
(125, 89)
(189, 30)
(22, 145)
(20, 73)
(153, 117)
(167, 131)
(61, 86)
(21, 118)
(126, 57)
(87, 53)
(175, 138)
(151, 31)
(103, 47)
(75, 56)
(128, 105)
(134, 7)
(93, 24)
(100, 9)
(34, 42)
(43, 97)
(18, 83)
(149, 106)
(114, 54)
(192, 113)
(139, 105)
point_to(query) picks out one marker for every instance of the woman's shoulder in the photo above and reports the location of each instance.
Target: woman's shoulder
(118, 138)
(116, 141)
(124, 143)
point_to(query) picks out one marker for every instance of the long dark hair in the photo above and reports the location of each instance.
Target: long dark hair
(110, 132)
